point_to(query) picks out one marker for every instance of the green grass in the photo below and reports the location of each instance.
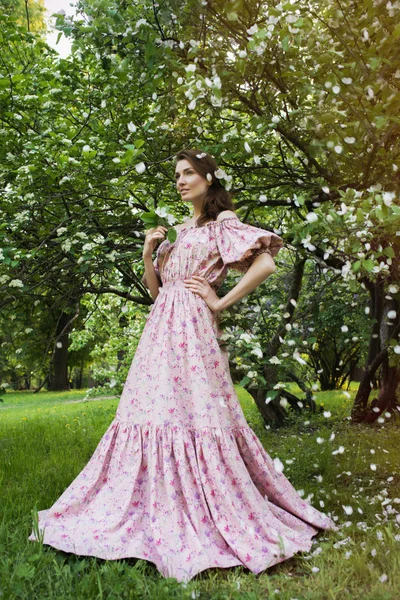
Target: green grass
(45, 443)
(26, 400)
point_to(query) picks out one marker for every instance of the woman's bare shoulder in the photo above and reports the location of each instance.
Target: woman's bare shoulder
(188, 223)
(226, 214)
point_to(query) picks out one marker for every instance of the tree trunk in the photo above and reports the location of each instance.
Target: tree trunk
(27, 381)
(387, 400)
(273, 412)
(122, 322)
(58, 380)
(80, 376)
(377, 305)
(58, 375)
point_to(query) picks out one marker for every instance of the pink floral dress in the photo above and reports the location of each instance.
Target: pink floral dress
(179, 478)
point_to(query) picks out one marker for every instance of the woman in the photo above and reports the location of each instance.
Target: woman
(179, 478)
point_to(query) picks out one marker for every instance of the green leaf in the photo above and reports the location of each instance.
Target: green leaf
(368, 264)
(389, 252)
(150, 219)
(375, 62)
(396, 32)
(172, 234)
(380, 213)
(380, 122)
(124, 64)
(353, 285)
(285, 43)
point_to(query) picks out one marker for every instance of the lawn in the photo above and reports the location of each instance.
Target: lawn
(349, 471)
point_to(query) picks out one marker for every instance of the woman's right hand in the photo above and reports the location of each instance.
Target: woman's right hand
(153, 235)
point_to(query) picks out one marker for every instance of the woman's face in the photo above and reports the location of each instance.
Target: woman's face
(189, 183)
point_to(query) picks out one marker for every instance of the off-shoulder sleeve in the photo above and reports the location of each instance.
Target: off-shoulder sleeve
(239, 243)
(157, 270)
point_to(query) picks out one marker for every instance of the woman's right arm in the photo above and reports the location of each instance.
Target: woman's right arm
(150, 278)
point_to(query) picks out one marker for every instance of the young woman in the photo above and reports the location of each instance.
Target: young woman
(179, 478)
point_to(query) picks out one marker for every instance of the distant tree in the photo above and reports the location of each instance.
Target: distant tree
(299, 102)
(28, 13)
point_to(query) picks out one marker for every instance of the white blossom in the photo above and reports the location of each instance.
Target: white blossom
(297, 356)
(388, 198)
(252, 29)
(274, 360)
(140, 167)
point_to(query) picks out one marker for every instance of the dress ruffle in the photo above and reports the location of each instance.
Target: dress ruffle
(185, 499)
(237, 242)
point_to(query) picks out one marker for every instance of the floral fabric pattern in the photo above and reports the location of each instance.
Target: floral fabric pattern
(179, 478)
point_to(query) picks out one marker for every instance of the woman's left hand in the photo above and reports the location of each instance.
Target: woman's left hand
(200, 286)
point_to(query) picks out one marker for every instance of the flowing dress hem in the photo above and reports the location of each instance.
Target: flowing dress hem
(223, 503)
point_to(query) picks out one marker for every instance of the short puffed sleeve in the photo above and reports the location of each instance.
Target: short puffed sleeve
(239, 243)
(157, 270)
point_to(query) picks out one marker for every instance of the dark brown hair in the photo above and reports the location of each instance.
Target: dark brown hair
(217, 198)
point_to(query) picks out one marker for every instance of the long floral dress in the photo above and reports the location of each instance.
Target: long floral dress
(179, 478)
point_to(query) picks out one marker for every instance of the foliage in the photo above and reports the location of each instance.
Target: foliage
(28, 13)
(330, 328)
(299, 102)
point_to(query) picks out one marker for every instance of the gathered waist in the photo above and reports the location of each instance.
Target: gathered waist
(169, 286)
(176, 283)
